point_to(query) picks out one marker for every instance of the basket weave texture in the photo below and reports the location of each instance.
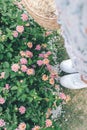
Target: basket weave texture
(43, 12)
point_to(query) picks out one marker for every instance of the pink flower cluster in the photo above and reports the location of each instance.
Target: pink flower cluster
(49, 53)
(49, 67)
(38, 47)
(22, 109)
(23, 61)
(30, 71)
(15, 34)
(36, 128)
(19, 4)
(7, 86)
(22, 126)
(24, 68)
(22, 53)
(24, 17)
(43, 62)
(48, 123)
(20, 29)
(29, 44)
(40, 62)
(2, 100)
(45, 55)
(62, 96)
(41, 55)
(53, 74)
(2, 123)
(48, 33)
(2, 75)
(27, 54)
(15, 67)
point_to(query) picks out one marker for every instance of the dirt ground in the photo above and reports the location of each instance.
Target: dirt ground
(75, 117)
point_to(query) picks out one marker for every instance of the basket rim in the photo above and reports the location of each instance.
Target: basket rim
(50, 18)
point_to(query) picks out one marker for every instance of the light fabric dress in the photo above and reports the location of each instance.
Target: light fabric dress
(72, 15)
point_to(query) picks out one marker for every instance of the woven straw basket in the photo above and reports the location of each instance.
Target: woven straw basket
(43, 12)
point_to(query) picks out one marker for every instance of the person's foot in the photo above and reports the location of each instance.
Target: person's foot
(73, 81)
(67, 66)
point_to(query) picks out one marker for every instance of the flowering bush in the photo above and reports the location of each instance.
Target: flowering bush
(27, 80)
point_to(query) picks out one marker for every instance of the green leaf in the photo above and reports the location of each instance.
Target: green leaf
(0, 109)
(11, 37)
(31, 81)
(6, 73)
(1, 47)
(8, 30)
(1, 56)
(20, 91)
(23, 97)
(6, 65)
(14, 88)
(13, 74)
(9, 55)
(30, 99)
(29, 61)
(8, 116)
(28, 126)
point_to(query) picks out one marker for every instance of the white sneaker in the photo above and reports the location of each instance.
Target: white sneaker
(67, 66)
(72, 81)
